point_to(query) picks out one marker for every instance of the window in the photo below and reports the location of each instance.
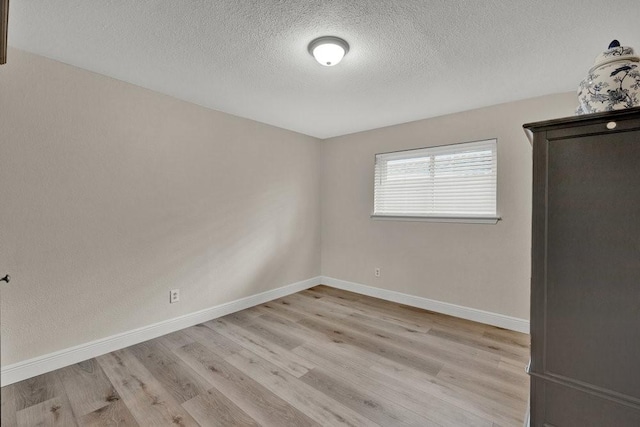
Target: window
(452, 182)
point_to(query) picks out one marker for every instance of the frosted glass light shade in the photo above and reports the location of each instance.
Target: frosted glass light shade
(328, 51)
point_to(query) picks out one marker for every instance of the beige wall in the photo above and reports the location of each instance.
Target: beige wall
(111, 195)
(479, 266)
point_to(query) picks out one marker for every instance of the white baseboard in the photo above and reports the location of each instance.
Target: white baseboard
(59, 359)
(487, 317)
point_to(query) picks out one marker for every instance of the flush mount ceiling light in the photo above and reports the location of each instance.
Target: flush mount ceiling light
(328, 50)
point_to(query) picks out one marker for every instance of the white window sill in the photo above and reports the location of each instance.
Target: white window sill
(463, 220)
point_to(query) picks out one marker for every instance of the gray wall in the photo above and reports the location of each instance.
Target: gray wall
(111, 195)
(485, 267)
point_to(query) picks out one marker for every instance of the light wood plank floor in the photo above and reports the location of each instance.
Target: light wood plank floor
(321, 357)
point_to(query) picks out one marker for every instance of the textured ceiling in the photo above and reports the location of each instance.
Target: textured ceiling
(408, 60)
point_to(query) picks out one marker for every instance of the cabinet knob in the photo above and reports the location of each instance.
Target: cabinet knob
(6, 278)
(611, 125)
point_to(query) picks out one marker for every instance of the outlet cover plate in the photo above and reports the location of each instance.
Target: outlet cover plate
(174, 296)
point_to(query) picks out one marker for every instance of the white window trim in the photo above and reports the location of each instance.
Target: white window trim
(464, 219)
(454, 219)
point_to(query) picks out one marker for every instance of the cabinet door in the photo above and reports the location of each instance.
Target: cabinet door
(592, 310)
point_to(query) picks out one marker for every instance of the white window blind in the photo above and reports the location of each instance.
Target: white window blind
(452, 181)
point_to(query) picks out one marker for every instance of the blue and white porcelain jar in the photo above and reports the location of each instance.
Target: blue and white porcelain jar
(613, 83)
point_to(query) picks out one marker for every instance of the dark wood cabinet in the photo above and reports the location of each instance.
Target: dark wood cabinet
(585, 284)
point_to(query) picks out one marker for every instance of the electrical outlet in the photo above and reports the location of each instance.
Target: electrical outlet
(377, 271)
(174, 296)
